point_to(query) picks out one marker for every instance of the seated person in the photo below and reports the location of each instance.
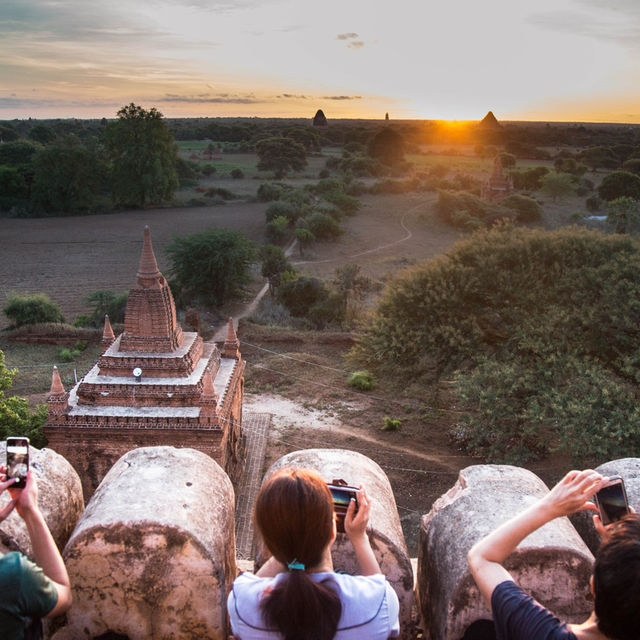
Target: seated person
(28, 591)
(615, 583)
(296, 594)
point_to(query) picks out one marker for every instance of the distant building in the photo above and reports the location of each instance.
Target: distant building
(153, 385)
(319, 120)
(498, 186)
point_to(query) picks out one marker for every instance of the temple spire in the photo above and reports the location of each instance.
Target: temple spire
(58, 397)
(57, 388)
(231, 344)
(148, 271)
(208, 401)
(107, 335)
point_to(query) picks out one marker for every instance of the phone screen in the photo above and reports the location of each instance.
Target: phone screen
(18, 461)
(612, 502)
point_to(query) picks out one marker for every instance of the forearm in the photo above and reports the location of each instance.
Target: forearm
(45, 551)
(364, 555)
(501, 543)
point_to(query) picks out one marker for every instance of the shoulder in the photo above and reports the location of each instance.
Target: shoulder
(517, 615)
(243, 603)
(367, 601)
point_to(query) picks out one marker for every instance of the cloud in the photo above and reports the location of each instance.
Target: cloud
(221, 98)
(341, 97)
(355, 44)
(346, 36)
(293, 96)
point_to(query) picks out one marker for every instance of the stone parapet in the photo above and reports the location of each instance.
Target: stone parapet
(153, 555)
(59, 497)
(385, 534)
(553, 564)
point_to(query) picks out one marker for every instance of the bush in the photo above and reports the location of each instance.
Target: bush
(300, 294)
(32, 309)
(619, 184)
(281, 209)
(237, 173)
(220, 192)
(593, 203)
(527, 209)
(323, 226)
(391, 424)
(347, 204)
(106, 303)
(362, 380)
(543, 329)
(464, 210)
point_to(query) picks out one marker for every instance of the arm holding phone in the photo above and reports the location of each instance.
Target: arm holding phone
(46, 553)
(355, 524)
(486, 558)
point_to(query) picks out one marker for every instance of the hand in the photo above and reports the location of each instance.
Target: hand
(26, 500)
(4, 485)
(603, 531)
(574, 493)
(356, 523)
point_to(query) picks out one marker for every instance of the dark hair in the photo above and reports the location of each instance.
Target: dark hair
(616, 580)
(294, 513)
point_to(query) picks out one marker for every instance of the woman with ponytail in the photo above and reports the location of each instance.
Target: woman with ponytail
(296, 595)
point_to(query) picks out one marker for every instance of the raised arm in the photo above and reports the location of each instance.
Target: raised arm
(355, 524)
(45, 551)
(487, 556)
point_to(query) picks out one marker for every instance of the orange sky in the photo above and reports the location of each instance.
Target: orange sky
(566, 60)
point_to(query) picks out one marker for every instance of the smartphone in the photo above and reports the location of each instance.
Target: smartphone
(342, 495)
(612, 501)
(18, 461)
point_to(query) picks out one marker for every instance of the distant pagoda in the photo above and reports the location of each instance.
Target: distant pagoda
(498, 186)
(153, 385)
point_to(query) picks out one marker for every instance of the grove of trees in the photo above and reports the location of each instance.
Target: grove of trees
(540, 331)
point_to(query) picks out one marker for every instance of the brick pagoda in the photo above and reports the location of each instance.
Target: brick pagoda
(498, 186)
(153, 385)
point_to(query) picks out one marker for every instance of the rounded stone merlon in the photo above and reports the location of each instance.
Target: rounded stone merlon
(629, 470)
(553, 564)
(154, 553)
(59, 497)
(387, 539)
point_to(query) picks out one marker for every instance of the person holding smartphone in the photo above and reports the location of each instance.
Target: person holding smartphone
(30, 591)
(615, 583)
(296, 595)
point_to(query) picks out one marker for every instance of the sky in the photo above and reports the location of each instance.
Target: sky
(544, 60)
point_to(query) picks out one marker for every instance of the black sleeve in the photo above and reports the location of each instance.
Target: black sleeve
(518, 616)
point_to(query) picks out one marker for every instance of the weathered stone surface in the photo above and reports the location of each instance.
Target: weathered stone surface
(153, 556)
(59, 497)
(629, 470)
(387, 539)
(553, 564)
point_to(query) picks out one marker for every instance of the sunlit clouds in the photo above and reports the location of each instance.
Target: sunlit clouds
(548, 60)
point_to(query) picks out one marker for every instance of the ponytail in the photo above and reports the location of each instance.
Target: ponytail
(302, 609)
(294, 514)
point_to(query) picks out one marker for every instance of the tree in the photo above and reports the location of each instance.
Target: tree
(624, 214)
(558, 185)
(274, 265)
(144, 157)
(42, 133)
(530, 179)
(17, 153)
(16, 418)
(68, 178)
(619, 184)
(304, 238)
(32, 309)
(210, 267)
(280, 155)
(599, 157)
(387, 146)
(632, 165)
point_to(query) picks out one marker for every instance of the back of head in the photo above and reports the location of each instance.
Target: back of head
(616, 579)
(294, 513)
